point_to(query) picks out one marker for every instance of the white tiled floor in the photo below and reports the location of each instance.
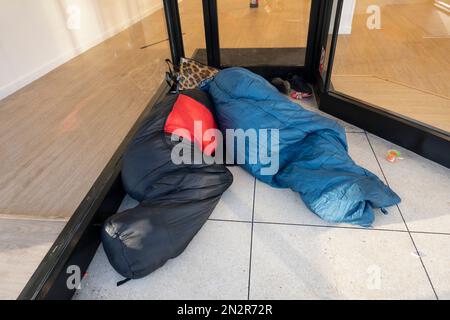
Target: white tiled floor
(237, 202)
(262, 243)
(301, 262)
(423, 185)
(214, 266)
(435, 251)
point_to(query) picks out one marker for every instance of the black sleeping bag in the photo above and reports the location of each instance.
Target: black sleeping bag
(175, 200)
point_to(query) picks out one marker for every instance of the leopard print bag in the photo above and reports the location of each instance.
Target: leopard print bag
(191, 74)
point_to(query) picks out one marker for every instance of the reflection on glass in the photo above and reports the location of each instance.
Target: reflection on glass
(325, 51)
(192, 26)
(395, 55)
(274, 24)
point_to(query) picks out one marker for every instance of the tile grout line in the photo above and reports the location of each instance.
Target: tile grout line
(325, 226)
(430, 232)
(387, 182)
(328, 226)
(251, 240)
(404, 221)
(379, 164)
(420, 257)
(229, 220)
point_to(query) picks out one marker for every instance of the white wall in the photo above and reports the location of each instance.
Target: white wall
(36, 36)
(348, 10)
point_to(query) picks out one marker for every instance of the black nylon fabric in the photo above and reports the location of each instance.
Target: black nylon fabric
(175, 200)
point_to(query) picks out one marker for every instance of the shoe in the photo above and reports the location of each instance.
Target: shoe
(282, 85)
(299, 84)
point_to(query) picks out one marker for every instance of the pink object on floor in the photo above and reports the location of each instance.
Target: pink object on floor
(300, 95)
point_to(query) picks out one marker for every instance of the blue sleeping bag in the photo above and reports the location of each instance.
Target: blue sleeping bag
(311, 149)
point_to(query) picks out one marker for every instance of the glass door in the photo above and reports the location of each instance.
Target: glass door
(263, 32)
(270, 37)
(383, 66)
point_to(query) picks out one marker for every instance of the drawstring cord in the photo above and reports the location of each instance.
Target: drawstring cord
(121, 282)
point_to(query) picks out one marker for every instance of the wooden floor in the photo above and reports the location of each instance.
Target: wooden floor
(23, 244)
(411, 49)
(276, 23)
(410, 53)
(58, 133)
(398, 99)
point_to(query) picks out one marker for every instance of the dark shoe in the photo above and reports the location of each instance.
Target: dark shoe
(282, 85)
(299, 84)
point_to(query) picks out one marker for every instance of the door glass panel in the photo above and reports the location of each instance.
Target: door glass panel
(277, 28)
(395, 55)
(325, 50)
(192, 26)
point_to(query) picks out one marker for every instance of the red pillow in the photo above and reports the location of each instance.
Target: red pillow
(186, 111)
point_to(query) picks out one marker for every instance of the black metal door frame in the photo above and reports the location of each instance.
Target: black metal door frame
(211, 22)
(172, 15)
(319, 21)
